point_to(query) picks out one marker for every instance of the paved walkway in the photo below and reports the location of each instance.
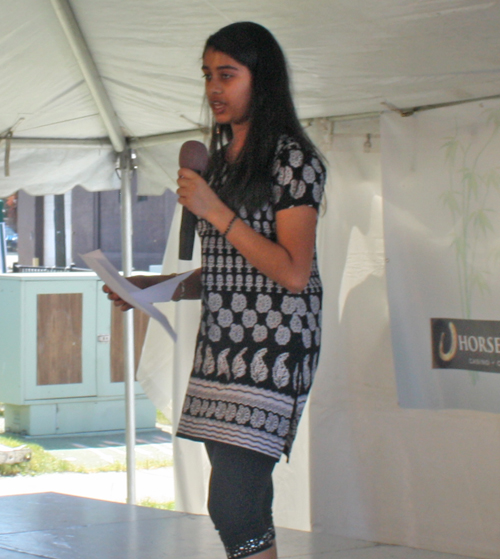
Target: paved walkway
(96, 450)
(154, 485)
(99, 449)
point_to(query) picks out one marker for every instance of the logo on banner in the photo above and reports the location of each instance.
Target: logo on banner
(473, 345)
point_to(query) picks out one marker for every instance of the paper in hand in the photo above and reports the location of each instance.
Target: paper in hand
(142, 299)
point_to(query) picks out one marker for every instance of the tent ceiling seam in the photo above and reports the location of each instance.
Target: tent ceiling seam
(62, 143)
(412, 110)
(169, 137)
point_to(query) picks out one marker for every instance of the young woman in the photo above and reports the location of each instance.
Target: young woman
(258, 342)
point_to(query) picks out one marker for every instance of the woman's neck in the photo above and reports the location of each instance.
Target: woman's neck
(236, 144)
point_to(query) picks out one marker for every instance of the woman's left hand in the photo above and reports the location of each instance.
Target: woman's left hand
(195, 194)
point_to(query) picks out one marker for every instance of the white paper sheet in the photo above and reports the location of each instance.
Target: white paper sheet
(141, 299)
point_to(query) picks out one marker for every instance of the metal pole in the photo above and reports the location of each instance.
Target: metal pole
(3, 244)
(128, 324)
(94, 82)
(60, 230)
(87, 65)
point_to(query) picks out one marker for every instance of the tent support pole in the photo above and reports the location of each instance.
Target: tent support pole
(90, 73)
(128, 324)
(93, 80)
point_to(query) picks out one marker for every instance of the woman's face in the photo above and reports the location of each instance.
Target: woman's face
(228, 87)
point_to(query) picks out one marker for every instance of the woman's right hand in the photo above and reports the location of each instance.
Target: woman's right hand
(196, 195)
(139, 281)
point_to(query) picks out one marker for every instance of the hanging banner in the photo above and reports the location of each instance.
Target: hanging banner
(441, 182)
(466, 344)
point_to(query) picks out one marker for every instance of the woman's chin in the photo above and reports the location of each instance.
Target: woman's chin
(222, 119)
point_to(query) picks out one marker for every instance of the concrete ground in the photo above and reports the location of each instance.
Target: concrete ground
(95, 450)
(155, 485)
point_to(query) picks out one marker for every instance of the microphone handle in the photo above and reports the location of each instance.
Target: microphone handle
(186, 237)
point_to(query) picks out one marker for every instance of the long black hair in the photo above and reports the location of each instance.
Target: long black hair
(271, 114)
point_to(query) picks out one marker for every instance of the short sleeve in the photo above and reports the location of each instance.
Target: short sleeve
(298, 177)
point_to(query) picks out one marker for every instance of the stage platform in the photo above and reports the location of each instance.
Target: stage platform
(57, 526)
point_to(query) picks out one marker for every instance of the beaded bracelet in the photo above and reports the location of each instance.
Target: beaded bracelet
(230, 224)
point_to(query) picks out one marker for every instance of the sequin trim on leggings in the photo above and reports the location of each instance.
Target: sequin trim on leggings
(252, 546)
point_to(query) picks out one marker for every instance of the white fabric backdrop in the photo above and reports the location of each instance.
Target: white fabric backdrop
(422, 478)
(441, 213)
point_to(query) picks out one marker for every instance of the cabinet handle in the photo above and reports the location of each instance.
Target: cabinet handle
(104, 338)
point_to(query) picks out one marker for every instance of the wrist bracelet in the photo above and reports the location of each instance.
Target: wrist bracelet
(230, 224)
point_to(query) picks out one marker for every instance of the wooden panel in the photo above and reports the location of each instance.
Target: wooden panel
(59, 338)
(140, 327)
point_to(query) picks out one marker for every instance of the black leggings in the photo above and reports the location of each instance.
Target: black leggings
(240, 498)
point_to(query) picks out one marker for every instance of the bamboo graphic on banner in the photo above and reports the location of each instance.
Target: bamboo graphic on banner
(468, 197)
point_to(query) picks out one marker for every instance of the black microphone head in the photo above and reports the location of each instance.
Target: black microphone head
(194, 156)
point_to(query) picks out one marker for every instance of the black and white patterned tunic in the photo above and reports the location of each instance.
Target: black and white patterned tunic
(258, 344)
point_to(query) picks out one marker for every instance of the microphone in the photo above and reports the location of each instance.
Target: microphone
(194, 156)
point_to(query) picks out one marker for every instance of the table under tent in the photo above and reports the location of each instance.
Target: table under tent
(87, 84)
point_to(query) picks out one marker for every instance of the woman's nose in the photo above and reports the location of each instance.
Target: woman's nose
(214, 86)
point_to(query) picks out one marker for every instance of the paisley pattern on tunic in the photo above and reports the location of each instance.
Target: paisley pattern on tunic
(258, 344)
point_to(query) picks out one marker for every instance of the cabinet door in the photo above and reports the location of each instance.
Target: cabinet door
(60, 339)
(110, 356)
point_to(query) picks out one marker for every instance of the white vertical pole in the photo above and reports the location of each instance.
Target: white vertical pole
(128, 323)
(90, 73)
(93, 80)
(3, 245)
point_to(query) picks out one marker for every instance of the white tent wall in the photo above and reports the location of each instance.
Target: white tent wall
(40, 171)
(426, 479)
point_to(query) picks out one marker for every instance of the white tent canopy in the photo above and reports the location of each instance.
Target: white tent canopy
(368, 469)
(346, 58)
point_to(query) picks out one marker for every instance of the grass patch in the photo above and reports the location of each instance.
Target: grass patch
(43, 462)
(154, 464)
(150, 464)
(154, 504)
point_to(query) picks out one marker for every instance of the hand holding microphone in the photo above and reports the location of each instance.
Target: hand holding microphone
(194, 156)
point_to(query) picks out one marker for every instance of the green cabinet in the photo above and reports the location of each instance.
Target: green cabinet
(61, 356)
